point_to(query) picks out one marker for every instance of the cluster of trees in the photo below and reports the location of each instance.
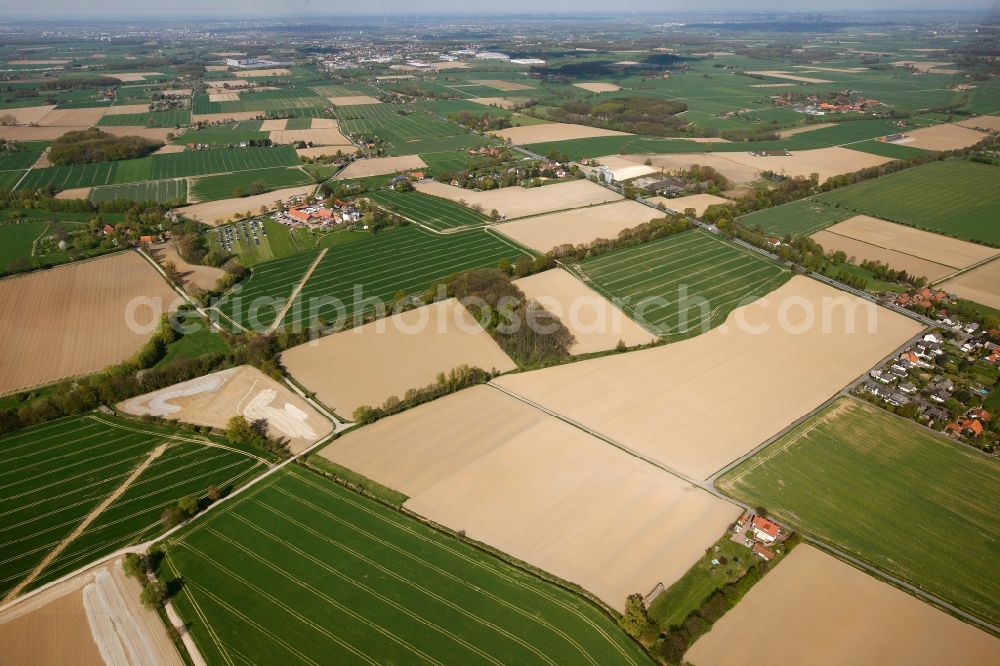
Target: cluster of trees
(457, 379)
(256, 433)
(377, 218)
(485, 122)
(93, 145)
(154, 593)
(636, 115)
(643, 233)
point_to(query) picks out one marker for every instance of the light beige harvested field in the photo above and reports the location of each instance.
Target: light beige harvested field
(624, 169)
(329, 136)
(545, 492)
(772, 85)
(981, 285)
(323, 123)
(823, 612)
(155, 133)
(74, 193)
(984, 123)
(211, 400)
(223, 85)
(944, 137)
(777, 74)
(224, 97)
(225, 117)
(378, 166)
(367, 364)
(919, 65)
(574, 227)
(697, 201)
(202, 277)
(37, 62)
(253, 73)
(519, 201)
(217, 212)
(596, 324)
(353, 100)
(844, 70)
(454, 64)
(826, 162)
(784, 134)
(73, 117)
(72, 320)
(92, 617)
(28, 114)
(501, 102)
(500, 84)
(272, 125)
(923, 244)
(328, 151)
(23, 133)
(735, 172)
(859, 251)
(216, 68)
(168, 149)
(131, 77)
(760, 367)
(124, 109)
(598, 87)
(553, 132)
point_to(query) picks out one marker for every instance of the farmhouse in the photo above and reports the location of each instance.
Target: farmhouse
(764, 530)
(762, 552)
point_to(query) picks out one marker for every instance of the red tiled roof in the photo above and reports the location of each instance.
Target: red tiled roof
(760, 551)
(766, 526)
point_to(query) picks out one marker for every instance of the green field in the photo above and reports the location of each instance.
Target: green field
(956, 198)
(682, 285)
(354, 278)
(900, 497)
(8, 179)
(231, 133)
(87, 175)
(284, 101)
(19, 159)
(16, 240)
(211, 188)
(163, 191)
(434, 212)
(799, 218)
(369, 111)
(412, 134)
(259, 298)
(280, 242)
(301, 570)
(223, 160)
(54, 475)
(172, 118)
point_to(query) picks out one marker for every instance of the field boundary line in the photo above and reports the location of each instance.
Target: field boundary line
(90, 518)
(967, 269)
(278, 318)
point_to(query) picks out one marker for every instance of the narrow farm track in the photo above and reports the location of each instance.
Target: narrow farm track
(278, 318)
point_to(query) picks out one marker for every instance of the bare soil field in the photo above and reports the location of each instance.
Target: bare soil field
(211, 400)
(92, 619)
(124, 109)
(203, 277)
(825, 612)
(353, 100)
(73, 320)
(545, 492)
(942, 250)
(596, 324)
(735, 172)
(454, 64)
(826, 162)
(74, 193)
(784, 134)
(252, 73)
(519, 201)
(224, 97)
(859, 250)
(500, 84)
(132, 77)
(328, 136)
(501, 102)
(323, 123)
(984, 123)
(367, 364)
(216, 68)
(553, 132)
(919, 65)
(320, 151)
(944, 137)
(28, 114)
(623, 168)
(598, 87)
(697, 201)
(378, 166)
(73, 117)
(217, 212)
(24, 133)
(155, 133)
(224, 117)
(777, 74)
(272, 125)
(771, 381)
(584, 225)
(168, 149)
(981, 285)
(37, 62)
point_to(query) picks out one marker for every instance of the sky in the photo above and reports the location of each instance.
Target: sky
(138, 9)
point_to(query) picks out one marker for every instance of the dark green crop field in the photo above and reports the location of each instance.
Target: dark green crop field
(431, 211)
(302, 571)
(889, 492)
